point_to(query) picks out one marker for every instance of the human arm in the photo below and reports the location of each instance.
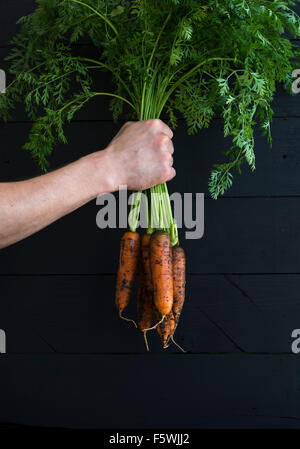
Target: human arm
(139, 156)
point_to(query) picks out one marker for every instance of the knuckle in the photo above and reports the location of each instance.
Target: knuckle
(172, 173)
(162, 140)
(155, 123)
(166, 157)
(164, 172)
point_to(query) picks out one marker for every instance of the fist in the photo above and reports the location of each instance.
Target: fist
(140, 155)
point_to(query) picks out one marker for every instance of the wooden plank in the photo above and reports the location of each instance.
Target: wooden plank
(208, 391)
(256, 313)
(76, 314)
(253, 235)
(270, 225)
(10, 12)
(276, 169)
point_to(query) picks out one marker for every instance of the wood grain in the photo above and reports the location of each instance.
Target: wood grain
(233, 391)
(252, 314)
(66, 346)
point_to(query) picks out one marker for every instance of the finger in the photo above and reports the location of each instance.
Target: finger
(159, 126)
(170, 147)
(166, 130)
(172, 174)
(167, 159)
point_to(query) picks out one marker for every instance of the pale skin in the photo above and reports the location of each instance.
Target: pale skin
(139, 156)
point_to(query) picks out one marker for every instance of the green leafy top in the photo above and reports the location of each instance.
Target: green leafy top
(198, 58)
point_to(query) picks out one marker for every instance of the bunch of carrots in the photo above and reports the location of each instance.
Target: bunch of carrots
(161, 282)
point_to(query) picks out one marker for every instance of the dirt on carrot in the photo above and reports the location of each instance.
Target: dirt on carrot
(179, 281)
(128, 262)
(161, 271)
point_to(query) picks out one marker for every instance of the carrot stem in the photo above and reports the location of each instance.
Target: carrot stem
(134, 213)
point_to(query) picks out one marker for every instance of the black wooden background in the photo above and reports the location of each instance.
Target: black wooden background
(71, 362)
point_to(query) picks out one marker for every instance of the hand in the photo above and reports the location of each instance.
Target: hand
(140, 155)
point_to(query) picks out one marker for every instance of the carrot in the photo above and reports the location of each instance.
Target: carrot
(172, 323)
(141, 287)
(161, 271)
(176, 344)
(163, 328)
(145, 254)
(144, 306)
(128, 261)
(145, 314)
(166, 328)
(179, 262)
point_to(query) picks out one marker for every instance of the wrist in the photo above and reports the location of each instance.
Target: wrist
(99, 172)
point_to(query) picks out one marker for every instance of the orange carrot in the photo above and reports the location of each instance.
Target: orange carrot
(145, 254)
(178, 260)
(145, 314)
(161, 271)
(144, 306)
(163, 328)
(140, 293)
(172, 322)
(128, 261)
(166, 329)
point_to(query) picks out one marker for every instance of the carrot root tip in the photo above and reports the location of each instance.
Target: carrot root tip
(127, 319)
(146, 340)
(157, 324)
(178, 346)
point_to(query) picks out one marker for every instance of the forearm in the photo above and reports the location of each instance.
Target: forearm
(139, 156)
(28, 206)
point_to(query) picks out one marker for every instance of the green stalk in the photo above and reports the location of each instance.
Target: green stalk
(116, 96)
(134, 213)
(107, 67)
(149, 215)
(152, 95)
(184, 78)
(150, 61)
(95, 11)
